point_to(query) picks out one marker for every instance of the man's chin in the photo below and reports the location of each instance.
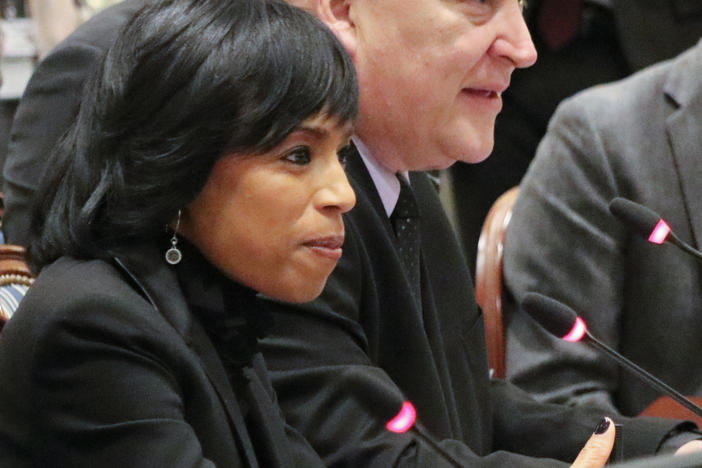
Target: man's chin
(438, 167)
(469, 157)
(475, 155)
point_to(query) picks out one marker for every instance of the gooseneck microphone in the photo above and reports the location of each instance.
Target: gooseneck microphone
(562, 321)
(649, 224)
(378, 398)
(690, 460)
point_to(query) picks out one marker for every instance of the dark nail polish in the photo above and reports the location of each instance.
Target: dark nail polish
(602, 426)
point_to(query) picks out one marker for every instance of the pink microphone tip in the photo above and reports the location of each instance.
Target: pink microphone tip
(659, 233)
(577, 332)
(404, 420)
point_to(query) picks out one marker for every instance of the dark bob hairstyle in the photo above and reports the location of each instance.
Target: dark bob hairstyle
(186, 82)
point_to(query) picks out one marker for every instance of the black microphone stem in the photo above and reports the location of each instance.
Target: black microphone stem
(422, 434)
(675, 240)
(653, 381)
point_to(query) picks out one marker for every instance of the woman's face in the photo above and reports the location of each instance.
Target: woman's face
(272, 221)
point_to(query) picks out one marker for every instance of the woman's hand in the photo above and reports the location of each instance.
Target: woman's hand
(597, 449)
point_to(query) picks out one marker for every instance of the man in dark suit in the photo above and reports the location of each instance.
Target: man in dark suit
(380, 327)
(639, 138)
(47, 108)
(610, 40)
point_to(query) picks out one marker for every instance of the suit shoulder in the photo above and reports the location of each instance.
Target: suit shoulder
(70, 277)
(100, 30)
(78, 292)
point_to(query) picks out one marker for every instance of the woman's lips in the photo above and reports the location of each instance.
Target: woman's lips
(328, 246)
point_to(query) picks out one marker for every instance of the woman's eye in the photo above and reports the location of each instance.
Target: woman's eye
(300, 156)
(343, 154)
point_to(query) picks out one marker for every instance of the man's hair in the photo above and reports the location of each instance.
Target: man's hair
(186, 82)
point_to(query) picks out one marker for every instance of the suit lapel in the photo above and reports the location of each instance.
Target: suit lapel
(684, 128)
(159, 285)
(364, 186)
(264, 414)
(202, 345)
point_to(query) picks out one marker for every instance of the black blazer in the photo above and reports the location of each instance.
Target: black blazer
(47, 109)
(367, 323)
(104, 365)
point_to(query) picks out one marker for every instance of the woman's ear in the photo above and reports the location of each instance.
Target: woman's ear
(336, 14)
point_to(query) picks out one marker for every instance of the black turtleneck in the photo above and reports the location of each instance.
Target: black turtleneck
(231, 314)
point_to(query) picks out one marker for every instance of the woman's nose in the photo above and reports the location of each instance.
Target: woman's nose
(337, 193)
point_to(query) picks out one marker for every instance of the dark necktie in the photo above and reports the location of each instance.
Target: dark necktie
(405, 222)
(558, 22)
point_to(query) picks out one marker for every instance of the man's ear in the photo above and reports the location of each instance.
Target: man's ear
(336, 14)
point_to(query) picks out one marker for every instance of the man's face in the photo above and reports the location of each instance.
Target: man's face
(431, 73)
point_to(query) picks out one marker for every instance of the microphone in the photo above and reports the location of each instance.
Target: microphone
(374, 393)
(649, 224)
(690, 460)
(562, 321)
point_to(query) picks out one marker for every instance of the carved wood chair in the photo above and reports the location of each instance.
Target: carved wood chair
(488, 277)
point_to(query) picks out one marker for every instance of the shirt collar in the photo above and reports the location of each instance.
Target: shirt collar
(384, 179)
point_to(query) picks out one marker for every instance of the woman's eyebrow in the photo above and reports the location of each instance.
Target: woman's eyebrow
(323, 130)
(316, 131)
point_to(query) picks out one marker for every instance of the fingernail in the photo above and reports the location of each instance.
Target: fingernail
(602, 426)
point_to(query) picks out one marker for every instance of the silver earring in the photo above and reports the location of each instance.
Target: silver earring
(174, 255)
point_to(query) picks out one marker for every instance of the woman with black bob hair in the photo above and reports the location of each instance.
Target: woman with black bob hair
(202, 169)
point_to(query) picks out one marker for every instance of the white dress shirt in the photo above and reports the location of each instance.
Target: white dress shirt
(384, 179)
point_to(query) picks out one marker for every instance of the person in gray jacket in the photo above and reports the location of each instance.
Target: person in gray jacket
(640, 139)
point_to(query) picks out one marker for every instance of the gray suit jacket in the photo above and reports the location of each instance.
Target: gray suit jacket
(640, 138)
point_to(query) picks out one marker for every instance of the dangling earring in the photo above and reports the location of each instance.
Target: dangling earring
(174, 255)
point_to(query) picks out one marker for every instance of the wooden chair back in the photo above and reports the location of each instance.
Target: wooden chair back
(488, 277)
